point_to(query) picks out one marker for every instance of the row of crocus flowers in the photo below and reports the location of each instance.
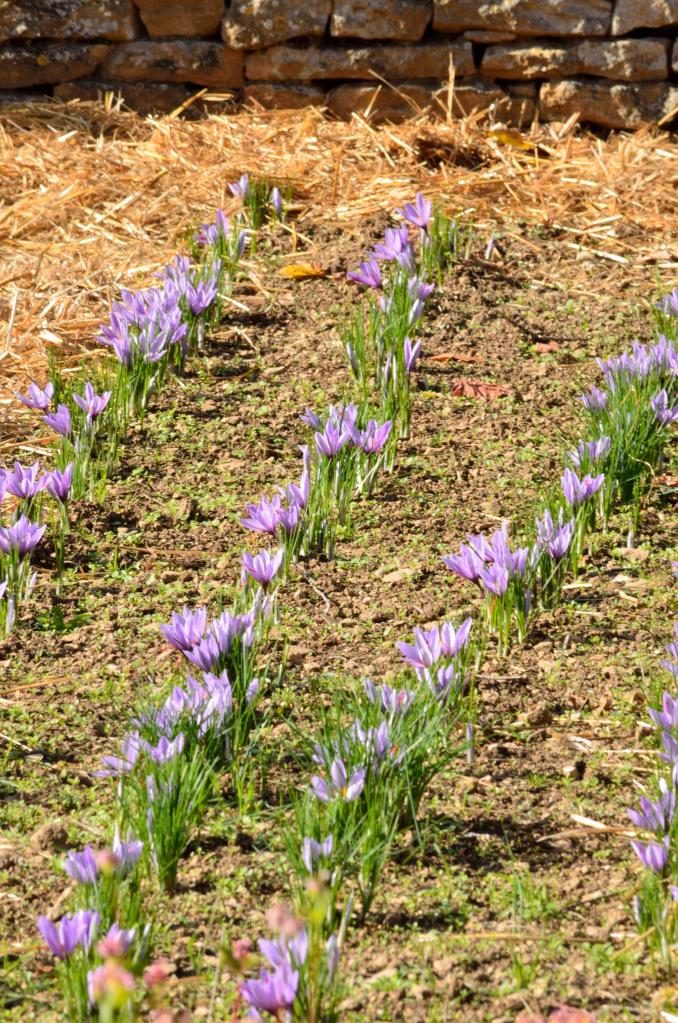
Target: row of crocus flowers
(352, 440)
(626, 426)
(656, 846)
(150, 333)
(614, 466)
(169, 762)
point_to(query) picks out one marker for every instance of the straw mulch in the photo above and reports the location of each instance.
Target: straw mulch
(95, 199)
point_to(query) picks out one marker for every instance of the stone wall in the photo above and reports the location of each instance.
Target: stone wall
(615, 62)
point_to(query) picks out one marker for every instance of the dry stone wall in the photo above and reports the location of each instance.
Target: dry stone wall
(614, 62)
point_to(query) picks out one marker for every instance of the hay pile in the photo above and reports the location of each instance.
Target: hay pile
(95, 198)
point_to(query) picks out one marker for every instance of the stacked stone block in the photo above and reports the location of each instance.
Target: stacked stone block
(615, 62)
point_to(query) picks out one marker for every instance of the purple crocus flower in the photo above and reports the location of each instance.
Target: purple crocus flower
(165, 750)
(276, 201)
(672, 650)
(355, 365)
(445, 681)
(340, 785)
(10, 615)
(500, 553)
(116, 944)
(201, 296)
(396, 246)
(126, 854)
(59, 421)
(578, 491)
(186, 628)
(393, 701)
(91, 403)
(3, 587)
(263, 517)
(344, 415)
(431, 645)
(240, 187)
(595, 400)
(424, 289)
(375, 741)
(121, 341)
(219, 639)
(222, 223)
(670, 754)
(211, 704)
(416, 309)
(292, 950)
(374, 436)
(81, 866)
(479, 545)
(210, 234)
(63, 938)
(593, 451)
(495, 578)
(669, 303)
(298, 493)
(305, 479)
(417, 213)
(24, 482)
(667, 718)
(368, 274)
(313, 852)
(655, 816)
(653, 855)
(58, 484)
(37, 397)
(272, 992)
(311, 419)
(289, 518)
(22, 536)
(332, 439)
(673, 647)
(559, 544)
(660, 406)
(411, 353)
(418, 288)
(468, 563)
(129, 754)
(664, 355)
(452, 640)
(262, 567)
(211, 647)
(545, 527)
(556, 539)
(638, 363)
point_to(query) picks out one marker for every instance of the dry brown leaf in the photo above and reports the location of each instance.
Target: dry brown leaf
(514, 140)
(455, 357)
(299, 271)
(477, 389)
(542, 347)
